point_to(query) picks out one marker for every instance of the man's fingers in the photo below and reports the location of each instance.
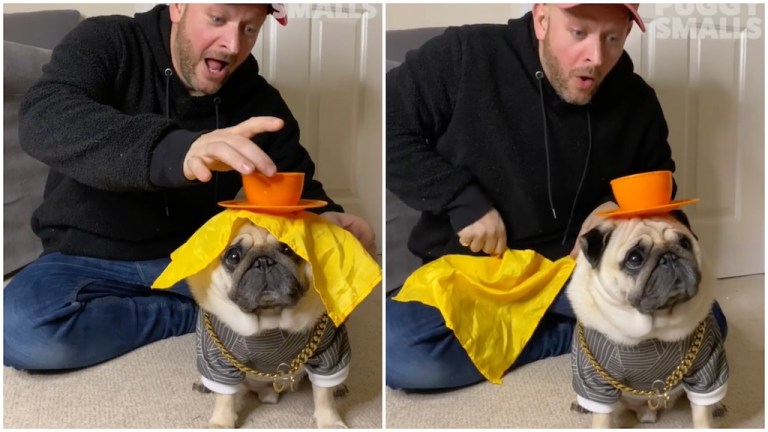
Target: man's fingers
(198, 169)
(575, 251)
(260, 160)
(501, 246)
(256, 125)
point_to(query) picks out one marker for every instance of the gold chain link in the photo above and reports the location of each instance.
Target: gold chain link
(296, 363)
(657, 398)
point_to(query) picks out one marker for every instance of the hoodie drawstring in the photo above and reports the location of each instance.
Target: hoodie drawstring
(583, 175)
(168, 73)
(539, 76)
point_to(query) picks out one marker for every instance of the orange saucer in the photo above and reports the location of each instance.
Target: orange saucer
(245, 205)
(666, 208)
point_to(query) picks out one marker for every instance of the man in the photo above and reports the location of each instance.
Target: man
(508, 136)
(146, 123)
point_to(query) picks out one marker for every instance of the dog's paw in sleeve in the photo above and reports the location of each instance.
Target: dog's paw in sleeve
(579, 409)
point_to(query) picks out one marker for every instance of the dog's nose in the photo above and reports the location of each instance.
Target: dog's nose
(263, 262)
(668, 258)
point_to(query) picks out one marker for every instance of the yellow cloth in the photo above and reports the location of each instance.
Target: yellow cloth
(492, 304)
(344, 273)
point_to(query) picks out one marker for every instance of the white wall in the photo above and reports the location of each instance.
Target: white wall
(87, 10)
(405, 16)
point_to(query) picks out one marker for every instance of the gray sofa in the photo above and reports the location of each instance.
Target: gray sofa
(28, 39)
(399, 217)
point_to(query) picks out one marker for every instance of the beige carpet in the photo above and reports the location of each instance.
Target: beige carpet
(151, 387)
(539, 395)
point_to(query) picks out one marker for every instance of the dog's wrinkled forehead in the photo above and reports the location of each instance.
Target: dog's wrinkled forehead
(658, 230)
(249, 235)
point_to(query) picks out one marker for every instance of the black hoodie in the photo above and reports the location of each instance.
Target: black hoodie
(465, 132)
(113, 122)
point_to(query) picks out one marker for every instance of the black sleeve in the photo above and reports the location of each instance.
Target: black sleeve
(421, 95)
(67, 122)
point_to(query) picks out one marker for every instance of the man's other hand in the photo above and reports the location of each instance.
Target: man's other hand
(487, 234)
(358, 226)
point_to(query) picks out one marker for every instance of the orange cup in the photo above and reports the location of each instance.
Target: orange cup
(282, 189)
(644, 190)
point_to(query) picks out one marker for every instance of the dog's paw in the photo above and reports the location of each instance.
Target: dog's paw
(719, 410)
(646, 415)
(578, 408)
(268, 395)
(220, 426)
(340, 391)
(329, 420)
(199, 387)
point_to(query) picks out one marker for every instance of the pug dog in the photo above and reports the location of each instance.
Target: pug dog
(262, 327)
(643, 304)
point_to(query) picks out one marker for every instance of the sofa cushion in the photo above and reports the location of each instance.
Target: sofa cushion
(43, 29)
(400, 261)
(399, 42)
(23, 176)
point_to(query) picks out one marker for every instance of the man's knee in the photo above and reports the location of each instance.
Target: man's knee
(426, 361)
(33, 336)
(28, 347)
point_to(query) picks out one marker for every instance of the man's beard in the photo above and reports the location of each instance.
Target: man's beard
(188, 62)
(559, 78)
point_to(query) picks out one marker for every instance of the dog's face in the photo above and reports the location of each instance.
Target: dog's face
(265, 273)
(654, 262)
(638, 275)
(258, 283)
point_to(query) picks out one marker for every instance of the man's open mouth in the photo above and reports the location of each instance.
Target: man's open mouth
(585, 82)
(216, 67)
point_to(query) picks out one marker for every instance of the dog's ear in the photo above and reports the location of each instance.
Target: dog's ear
(594, 241)
(681, 217)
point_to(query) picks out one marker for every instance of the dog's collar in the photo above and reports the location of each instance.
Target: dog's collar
(658, 396)
(282, 379)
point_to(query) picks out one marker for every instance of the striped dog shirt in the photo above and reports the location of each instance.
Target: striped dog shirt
(638, 366)
(328, 366)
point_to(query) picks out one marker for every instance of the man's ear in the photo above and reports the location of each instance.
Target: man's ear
(594, 242)
(176, 10)
(540, 19)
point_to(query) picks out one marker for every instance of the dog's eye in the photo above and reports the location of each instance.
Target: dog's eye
(634, 259)
(232, 257)
(286, 250)
(685, 243)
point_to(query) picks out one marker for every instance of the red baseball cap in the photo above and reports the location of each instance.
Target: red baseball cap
(277, 10)
(632, 7)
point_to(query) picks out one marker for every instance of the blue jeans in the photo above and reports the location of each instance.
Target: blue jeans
(65, 312)
(423, 354)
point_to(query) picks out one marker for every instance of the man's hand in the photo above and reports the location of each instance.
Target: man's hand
(487, 234)
(590, 222)
(361, 229)
(231, 148)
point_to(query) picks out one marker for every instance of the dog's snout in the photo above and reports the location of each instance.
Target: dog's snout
(264, 262)
(668, 258)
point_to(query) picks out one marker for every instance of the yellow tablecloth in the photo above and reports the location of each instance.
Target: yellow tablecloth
(492, 304)
(344, 273)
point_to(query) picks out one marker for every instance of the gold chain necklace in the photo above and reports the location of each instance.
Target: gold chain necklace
(658, 396)
(282, 379)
